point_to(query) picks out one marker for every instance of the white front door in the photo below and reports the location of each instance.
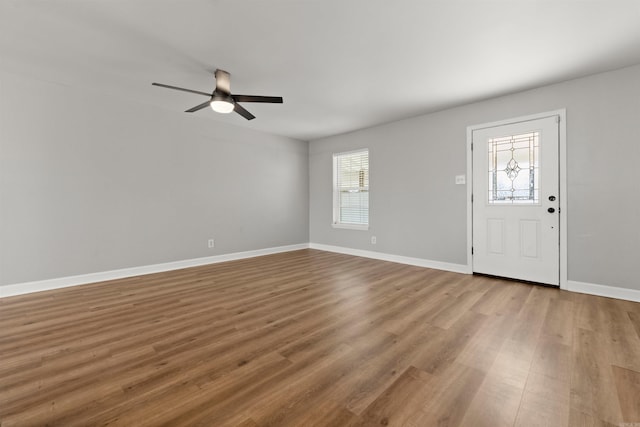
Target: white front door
(516, 202)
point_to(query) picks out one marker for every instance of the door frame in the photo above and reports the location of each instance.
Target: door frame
(562, 162)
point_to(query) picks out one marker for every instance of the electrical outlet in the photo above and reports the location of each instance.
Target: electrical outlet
(373, 240)
(461, 179)
(211, 243)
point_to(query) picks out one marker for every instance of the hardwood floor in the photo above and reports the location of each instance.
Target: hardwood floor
(311, 338)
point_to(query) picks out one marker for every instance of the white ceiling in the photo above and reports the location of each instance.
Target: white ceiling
(340, 65)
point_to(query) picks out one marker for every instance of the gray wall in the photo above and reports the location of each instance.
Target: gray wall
(416, 209)
(91, 183)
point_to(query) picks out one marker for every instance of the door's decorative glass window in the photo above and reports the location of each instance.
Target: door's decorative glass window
(514, 169)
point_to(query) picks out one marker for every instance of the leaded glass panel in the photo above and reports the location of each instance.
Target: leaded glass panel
(514, 169)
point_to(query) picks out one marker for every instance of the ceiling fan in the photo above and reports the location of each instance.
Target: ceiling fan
(222, 100)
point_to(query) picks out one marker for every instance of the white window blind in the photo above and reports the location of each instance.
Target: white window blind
(351, 188)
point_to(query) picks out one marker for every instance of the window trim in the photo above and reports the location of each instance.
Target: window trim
(336, 194)
(350, 226)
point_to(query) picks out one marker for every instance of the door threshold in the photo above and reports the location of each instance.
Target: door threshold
(511, 279)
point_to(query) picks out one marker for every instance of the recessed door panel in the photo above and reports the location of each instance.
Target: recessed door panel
(529, 236)
(495, 236)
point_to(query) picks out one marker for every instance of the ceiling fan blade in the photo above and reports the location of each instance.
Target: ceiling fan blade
(255, 98)
(182, 89)
(244, 113)
(198, 107)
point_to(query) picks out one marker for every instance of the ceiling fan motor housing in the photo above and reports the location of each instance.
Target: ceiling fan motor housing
(223, 82)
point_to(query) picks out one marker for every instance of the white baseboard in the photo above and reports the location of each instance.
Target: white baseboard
(63, 282)
(420, 262)
(83, 279)
(604, 291)
(572, 285)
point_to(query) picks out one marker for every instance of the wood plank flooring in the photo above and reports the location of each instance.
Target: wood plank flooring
(311, 338)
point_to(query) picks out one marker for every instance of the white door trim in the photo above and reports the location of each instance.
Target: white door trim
(562, 141)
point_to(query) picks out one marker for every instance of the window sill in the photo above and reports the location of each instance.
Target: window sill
(351, 226)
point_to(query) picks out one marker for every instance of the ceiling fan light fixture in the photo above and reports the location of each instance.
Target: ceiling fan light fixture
(222, 104)
(221, 100)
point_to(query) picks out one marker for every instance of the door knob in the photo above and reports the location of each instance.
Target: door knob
(551, 210)
(552, 198)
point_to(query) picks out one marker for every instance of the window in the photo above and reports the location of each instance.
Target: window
(351, 190)
(513, 169)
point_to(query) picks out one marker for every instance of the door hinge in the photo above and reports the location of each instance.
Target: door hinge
(557, 119)
(472, 198)
(471, 250)
(472, 146)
